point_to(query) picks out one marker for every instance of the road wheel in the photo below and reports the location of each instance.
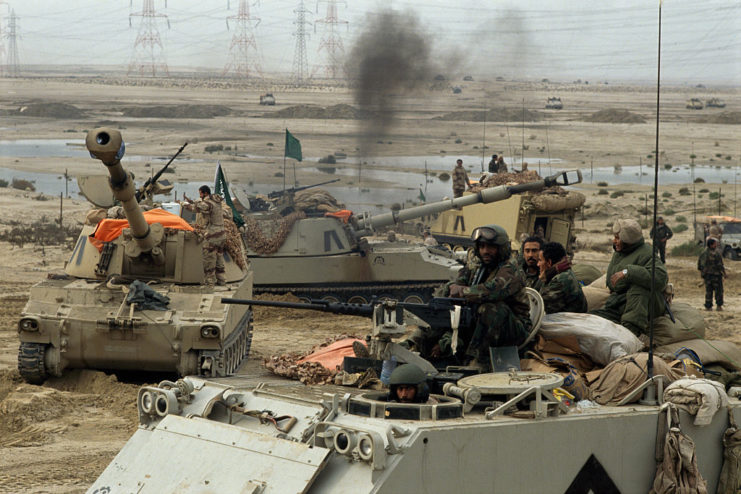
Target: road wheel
(331, 299)
(414, 298)
(357, 299)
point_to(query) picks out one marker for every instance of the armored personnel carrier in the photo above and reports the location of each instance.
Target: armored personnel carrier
(131, 296)
(694, 104)
(715, 103)
(554, 104)
(330, 257)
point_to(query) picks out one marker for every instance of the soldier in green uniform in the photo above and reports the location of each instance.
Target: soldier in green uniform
(497, 283)
(710, 264)
(530, 258)
(660, 233)
(210, 217)
(561, 291)
(629, 279)
(460, 179)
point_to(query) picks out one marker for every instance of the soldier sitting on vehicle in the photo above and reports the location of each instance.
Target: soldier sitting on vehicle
(561, 291)
(710, 265)
(493, 165)
(530, 257)
(629, 279)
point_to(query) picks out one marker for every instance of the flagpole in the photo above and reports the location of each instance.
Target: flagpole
(284, 172)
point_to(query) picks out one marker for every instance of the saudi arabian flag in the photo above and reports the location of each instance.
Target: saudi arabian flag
(221, 187)
(293, 147)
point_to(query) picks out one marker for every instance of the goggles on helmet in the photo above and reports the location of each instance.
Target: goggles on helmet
(484, 234)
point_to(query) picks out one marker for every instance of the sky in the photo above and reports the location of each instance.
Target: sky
(562, 40)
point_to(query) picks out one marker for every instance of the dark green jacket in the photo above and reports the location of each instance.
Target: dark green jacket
(710, 263)
(636, 258)
(661, 232)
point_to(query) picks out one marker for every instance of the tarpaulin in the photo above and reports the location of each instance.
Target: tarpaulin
(109, 230)
(343, 214)
(331, 356)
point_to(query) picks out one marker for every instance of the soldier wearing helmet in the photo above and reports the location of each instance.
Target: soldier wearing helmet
(496, 282)
(408, 384)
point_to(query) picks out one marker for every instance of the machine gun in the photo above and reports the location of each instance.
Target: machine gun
(145, 191)
(279, 193)
(390, 318)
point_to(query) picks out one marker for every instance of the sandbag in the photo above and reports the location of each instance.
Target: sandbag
(612, 384)
(586, 273)
(602, 340)
(730, 474)
(554, 202)
(689, 324)
(725, 353)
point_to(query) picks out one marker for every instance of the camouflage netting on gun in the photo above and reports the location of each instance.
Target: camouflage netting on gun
(266, 236)
(316, 200)
(287, 365)
(549, 199)
(233, 243)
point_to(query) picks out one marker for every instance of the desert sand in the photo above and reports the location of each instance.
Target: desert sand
(58, 437)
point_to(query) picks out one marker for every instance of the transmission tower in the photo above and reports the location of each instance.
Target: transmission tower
(148, 58)
(240, 63)
(331, 41)
(300, 62)
(3, 53)
(13, 67)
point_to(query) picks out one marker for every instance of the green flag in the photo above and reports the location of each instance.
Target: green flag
(221, 187)
(422, 196)
(293, 147)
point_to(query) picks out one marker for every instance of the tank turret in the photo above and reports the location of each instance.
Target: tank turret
(327, 256)
(131, 297)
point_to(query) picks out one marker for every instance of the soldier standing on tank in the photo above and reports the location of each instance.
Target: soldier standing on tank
(561, 291)
(460, 179)
(497, 284)
(660, 233)
(493, 166)
(530, 257)
(710, 265)
(210, 217)
(501, 165)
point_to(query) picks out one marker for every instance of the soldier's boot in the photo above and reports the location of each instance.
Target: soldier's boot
(719, 308)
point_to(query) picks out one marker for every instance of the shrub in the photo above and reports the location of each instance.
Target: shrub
(703, 191)
(713, 195)
(602, 184)
(602, 192)
(3, 183)
(329, 159)
(669, 212)
(616, 194)
(459, 141)
(682, 227)
(687, 249)
(666, 194)
(667, 166)
(213, 148)
(699, 180)
(684, 191)
(680, 219)
(22, 184)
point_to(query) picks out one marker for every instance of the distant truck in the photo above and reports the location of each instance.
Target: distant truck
(267, 99)
(715, 103)
(730, 239)
(553, 104)
(694, 104)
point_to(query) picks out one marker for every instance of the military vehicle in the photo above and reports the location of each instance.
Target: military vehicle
(520, 215)
(267, 99)
(715, 103)
(730, 239)
(329, 256)
(96, 315)
(478, 434)
(694, 104)
(554, 104)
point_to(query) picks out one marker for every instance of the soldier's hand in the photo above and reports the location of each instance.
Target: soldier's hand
(436, 352)
(456, 291)
(616, 277)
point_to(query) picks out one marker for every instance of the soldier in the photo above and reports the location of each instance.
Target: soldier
(408, 384)
(561, 291)
(493, 165)
(710, 265)
(429, 239)
(501, 165)
(629, 279)
(460, 179)
(530, 257)
(497, 283)
(715, 230)
(660, 233)
(210, 217)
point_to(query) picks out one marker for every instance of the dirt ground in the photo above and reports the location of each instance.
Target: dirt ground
(58, 437)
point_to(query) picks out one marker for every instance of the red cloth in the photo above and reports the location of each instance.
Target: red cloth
(109, 230)
(331, 356)
(342, 214)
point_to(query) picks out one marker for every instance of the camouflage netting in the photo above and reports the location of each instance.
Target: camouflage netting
(286, 365)
(316, 200)
(549, 199)
(268, 241)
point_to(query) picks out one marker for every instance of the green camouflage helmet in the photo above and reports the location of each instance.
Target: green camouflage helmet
(494, 235)
(407, 374)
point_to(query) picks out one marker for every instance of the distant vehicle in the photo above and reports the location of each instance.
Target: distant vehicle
(694, 104)
(439, 77)
(715, 103)
(457, 90)
(554, 104)
(267, 99)
(730, 239)
(467, 78)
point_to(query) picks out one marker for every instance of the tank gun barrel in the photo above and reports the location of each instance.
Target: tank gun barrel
(484, 196)
(107, 145)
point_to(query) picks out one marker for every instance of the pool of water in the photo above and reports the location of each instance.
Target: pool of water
(53, 148)
(682, 174)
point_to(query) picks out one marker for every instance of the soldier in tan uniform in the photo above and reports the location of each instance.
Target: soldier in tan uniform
(460, 179)
(210, 218)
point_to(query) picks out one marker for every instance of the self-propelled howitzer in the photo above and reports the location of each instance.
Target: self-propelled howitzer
(132, 295)
(328, 256)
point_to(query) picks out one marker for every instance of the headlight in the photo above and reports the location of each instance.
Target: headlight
(210, 331)
(146, 402)
(28, 324)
